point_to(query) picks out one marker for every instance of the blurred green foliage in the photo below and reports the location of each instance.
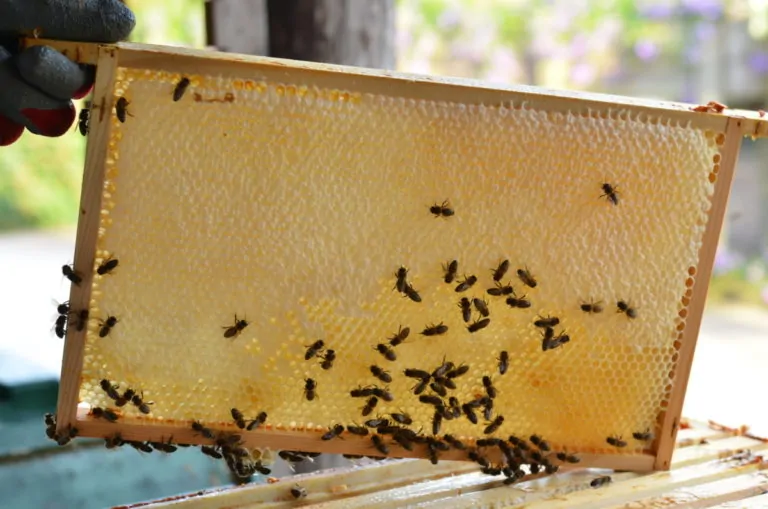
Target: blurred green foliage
(40, 178)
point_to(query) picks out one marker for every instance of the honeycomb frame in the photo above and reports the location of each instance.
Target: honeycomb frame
(723, 130)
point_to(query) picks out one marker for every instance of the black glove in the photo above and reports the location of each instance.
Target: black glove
(37, 84)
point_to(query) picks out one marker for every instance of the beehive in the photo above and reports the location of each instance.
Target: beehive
(290, 194)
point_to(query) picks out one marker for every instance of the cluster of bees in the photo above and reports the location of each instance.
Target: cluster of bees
(65, 313)
(229, 446)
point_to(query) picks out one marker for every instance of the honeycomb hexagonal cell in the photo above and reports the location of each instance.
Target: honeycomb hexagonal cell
(293, 207)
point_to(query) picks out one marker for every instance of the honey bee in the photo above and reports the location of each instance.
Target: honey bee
(377, 422)
(469, 412)
(456, 372)
(644, 436)
(383, 394)
(437, 421)
(431, 400)
(435, 330)
(500, 271)
(121, 109)
(520, 302)
(466, 284)
(369, 406)
(386, 351)
(107, 266)
(260, 419)
(60, 327)
(498, 290)
(446, 382)
(466, 309)
(526, 277)
(493, 427)
(616, 441)
(164, 446)
(64, 439)
(503, 362)
(180, 88)
(401, 282)
(358, 430)
(400, 336)
(379, 444)
(83, 118)
(416, 373)
(381, 374)
(310, 387)
(439, 389)
(411, 293)
(71, 274)
(420, 387)
(140, 446)
(568, 458)
(442, 210)
(404, 441)
(444, 368)
(333, 432)
(141, 404)
(600, 481)
(328, 358)
(115, 440)
(482, 306)
(489, 388)
(106, 326)
(626, 308)
(125, 398)
(454, 442)
(548, 321)
(297, 491)
(110, 389)
(402, 418)
(237, 416)
(539, 442)
(82, 319)
(478, 458)
(211, 451)
(610, 193)
(450, 270)
(199, 428)
(479, 324)
(314, 349)
(361, 392)
(488, 409)
(549, 467)
(592, 307)
(104, 413)
(232, 331)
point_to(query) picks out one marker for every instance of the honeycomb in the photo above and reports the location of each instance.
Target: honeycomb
(293, 206)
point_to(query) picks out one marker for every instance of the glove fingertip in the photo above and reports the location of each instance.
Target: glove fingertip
(52, 123)
(9, 131)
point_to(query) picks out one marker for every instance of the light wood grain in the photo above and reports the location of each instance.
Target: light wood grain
(87, 234)
(389, 83)
(671, 418)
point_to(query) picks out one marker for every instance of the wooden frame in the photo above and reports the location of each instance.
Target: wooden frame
(736, 125)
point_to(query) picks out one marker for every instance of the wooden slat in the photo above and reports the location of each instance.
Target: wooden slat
(706, 482)
(186, 60)
(716, 449)
(758, 502)
(670, 423)
(89, 220)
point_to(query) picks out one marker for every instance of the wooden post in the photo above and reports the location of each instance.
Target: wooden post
(342, 32)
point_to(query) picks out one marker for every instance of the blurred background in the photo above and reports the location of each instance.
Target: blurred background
(682, 50)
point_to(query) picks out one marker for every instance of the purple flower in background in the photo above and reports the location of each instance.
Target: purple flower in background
(725, 261)
(764, 294)
(582, 74)
(710, 9)
(692, 55)
(758, 62)
(449, 19)
(579, 45)
(656, 11)
(646, 50)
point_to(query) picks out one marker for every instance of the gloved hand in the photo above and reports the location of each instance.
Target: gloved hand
(37, 84)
